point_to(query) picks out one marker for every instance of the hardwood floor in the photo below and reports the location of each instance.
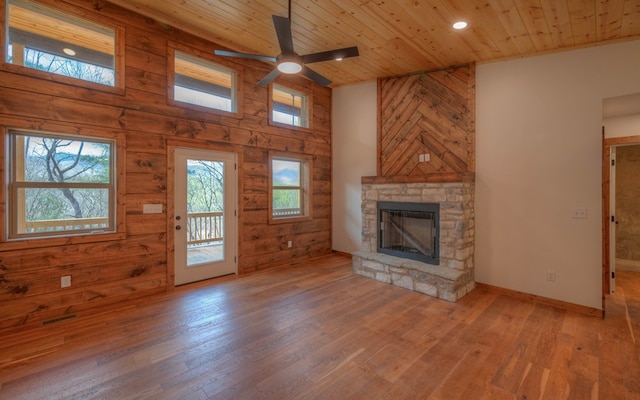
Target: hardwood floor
(316, 331)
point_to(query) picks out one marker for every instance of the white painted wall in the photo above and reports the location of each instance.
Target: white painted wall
(538, 156)
(625, 125)
(621, 116)
(354, 136)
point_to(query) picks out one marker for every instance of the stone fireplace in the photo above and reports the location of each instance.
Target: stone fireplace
(426, 154)
(447, 276)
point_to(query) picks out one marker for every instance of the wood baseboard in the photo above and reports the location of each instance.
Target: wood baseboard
(341, 253)
(590, 311)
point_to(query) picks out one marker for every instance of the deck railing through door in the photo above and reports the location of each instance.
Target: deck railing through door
(204, 227)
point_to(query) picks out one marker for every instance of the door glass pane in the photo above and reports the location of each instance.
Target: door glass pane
(205, 211)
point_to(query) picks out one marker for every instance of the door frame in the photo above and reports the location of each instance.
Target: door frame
(172, 144)
(607, 143)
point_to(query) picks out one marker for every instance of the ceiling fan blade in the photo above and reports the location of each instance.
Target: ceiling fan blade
(331, 55)
(270, 76)
(244, 55)
(314, 76)
(283, 30)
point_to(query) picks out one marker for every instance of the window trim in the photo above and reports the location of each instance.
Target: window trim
(119, 51)
(296, 88)
(172, 47)
(306, 177)
(118, 204)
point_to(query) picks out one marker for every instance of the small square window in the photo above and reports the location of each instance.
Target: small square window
(290, 187)
(49, 40)
(289, 106)
(203, 83)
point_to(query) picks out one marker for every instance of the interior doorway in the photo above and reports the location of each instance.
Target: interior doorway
(204, 215)
(625, 209)
(620, 129)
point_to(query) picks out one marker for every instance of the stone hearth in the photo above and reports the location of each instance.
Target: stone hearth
(453, 277)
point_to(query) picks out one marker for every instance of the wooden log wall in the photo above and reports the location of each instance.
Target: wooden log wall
(428, 113)
(137, 265)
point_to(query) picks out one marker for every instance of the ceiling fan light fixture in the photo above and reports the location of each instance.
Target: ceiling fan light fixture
(289, 63)
(289, 67)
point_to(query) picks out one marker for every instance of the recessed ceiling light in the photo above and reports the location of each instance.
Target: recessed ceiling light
(460, 25)
(339, 59)
(69, 52)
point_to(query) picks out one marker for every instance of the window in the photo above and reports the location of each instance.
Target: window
(290, 187)
(52, 41)
(59, 185)
(204, 83)
(289, 106)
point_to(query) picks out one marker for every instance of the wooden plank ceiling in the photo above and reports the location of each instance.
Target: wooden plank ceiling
(397, 37)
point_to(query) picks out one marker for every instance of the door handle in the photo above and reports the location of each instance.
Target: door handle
(178, 227)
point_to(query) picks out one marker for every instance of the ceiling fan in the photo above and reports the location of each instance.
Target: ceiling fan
(290, 62)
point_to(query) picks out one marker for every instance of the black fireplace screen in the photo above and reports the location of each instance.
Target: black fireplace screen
(409, 230)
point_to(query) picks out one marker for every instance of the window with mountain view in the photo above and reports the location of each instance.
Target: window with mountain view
(49, 40)
(290, 187)
(59, 185)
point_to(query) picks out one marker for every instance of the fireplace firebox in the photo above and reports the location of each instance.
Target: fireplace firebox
(409, 230)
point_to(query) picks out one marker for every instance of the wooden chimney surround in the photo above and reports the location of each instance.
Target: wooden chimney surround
(425, 155)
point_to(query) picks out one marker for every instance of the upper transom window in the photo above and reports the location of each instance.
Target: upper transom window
(49, 40)
(204, 83)
(289, 106)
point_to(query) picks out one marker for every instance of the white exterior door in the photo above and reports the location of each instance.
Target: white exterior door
(205, 199)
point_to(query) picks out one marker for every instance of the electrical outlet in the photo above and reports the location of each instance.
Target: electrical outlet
(65, 281)
(289, 244)
(551, 276)
(579, 213)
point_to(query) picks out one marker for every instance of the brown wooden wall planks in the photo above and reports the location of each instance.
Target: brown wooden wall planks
(111, 271)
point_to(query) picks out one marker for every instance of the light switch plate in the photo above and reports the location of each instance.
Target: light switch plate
(152, 208)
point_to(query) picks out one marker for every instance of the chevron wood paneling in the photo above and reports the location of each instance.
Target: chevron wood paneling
(428, 113)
